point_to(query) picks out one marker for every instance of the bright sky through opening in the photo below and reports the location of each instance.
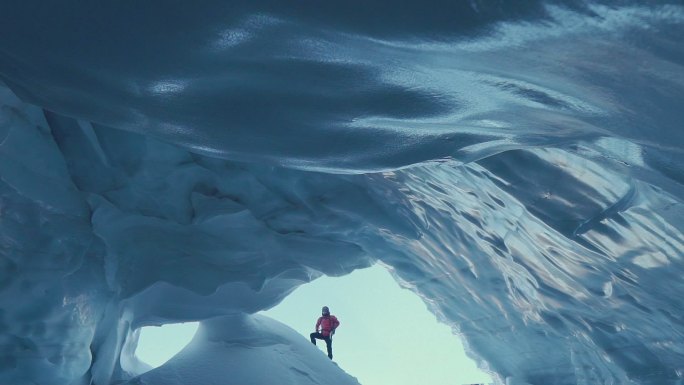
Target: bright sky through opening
(157, 344)
(387, 336)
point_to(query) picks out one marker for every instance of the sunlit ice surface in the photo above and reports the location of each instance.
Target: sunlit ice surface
(516, 165)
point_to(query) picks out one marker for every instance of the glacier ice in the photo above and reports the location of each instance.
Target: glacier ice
(519, 166)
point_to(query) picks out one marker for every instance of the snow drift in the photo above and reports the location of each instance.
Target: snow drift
(250, 350)
(518, 166)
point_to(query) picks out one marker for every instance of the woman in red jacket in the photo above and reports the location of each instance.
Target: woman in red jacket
(325, 328)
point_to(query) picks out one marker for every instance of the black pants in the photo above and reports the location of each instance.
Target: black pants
(328, 342)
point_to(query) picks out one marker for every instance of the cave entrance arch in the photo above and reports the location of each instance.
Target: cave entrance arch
(386, 336)
(157, 344)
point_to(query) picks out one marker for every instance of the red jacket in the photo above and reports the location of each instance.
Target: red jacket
(327, 324)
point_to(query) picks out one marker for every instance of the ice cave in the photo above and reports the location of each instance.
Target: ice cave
(518, 165)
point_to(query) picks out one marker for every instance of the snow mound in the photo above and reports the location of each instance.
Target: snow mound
(248, 350)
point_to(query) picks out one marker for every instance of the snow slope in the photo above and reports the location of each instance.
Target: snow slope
(249, 350)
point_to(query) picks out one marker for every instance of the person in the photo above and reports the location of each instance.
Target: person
(325, 329)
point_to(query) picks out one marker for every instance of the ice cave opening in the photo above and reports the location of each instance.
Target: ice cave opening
(386, 333)
(157, 344)
(380, 323)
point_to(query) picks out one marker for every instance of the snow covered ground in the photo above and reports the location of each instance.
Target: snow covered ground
(517, 166)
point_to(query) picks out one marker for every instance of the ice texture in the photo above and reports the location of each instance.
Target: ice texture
(518, 165)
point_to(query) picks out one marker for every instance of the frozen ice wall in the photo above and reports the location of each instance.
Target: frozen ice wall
(518, 166)
(106, 231)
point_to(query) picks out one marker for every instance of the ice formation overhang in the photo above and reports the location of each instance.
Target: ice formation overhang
(519, 166)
